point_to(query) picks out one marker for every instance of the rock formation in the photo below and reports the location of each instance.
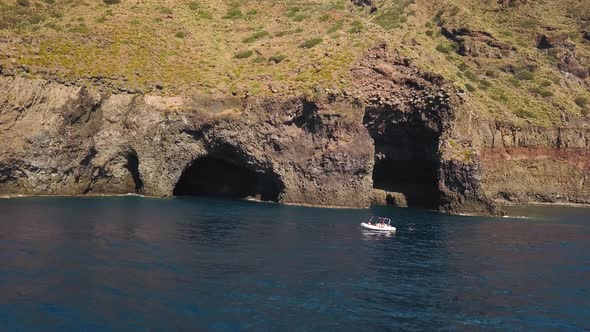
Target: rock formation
(400, 136)
(61, 140)
(367, 3)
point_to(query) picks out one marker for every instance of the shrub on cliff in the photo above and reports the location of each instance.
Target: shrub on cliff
(356, 27)
(546, 94)
(165, 10)
(525, 75)
(446, 48)
(525, 114)
(244, 54)
(193, 5)
(255, 37)
(205, 15)
(581, 101)
(336, 26)
(277, 58)
(310, 43)
(233, 14)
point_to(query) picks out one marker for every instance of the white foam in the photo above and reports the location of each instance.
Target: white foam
(516, 217)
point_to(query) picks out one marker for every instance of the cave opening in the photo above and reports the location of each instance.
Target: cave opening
(406, 161)
(215, 177)
(133, 168)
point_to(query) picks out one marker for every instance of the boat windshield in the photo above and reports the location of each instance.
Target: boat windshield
(380, 220)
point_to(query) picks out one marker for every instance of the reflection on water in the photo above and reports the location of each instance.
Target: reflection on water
(371, 235)
(128, 264)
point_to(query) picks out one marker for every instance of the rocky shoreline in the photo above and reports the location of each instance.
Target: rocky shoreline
(400, 136)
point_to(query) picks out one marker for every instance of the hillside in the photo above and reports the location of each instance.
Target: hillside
(514, 60)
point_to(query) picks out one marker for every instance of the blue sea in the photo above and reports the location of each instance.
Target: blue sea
(198, 264)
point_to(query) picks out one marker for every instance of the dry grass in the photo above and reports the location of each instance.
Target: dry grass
(190, 46)
(538, 91)
(227, 46)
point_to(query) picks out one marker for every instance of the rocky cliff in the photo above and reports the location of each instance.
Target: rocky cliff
(531, 164)
(399, 136)
(60, 140)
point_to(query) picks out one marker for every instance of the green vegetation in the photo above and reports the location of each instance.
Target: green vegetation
(311, 42)
(485, 84)
(255, 37)
(233, 13)
(525, 75)
(446, 47)
(336, 26)
(205, 14)
(192, 46)
(165, 10)
(228, 45)
(525, 114)
(581, 101)
(546, 94)
(393, 16)
(277, 58)
(244, 54)
(356, 27)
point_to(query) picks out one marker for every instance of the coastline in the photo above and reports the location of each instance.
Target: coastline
(499, 204)
(555, 204)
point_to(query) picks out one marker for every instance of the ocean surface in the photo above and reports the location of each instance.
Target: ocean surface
(195, 264)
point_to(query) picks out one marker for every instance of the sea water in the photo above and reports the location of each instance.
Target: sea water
(196, 264)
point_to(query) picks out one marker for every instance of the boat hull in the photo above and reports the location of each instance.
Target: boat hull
(377, 228)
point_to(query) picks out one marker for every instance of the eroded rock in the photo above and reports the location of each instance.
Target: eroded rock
(367, 3)
(476, 43)
(545, 42)
(71, 141)
(399, 136)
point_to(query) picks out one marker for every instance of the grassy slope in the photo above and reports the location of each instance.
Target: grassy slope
(203, 45)
(547, 95)
(234, 46)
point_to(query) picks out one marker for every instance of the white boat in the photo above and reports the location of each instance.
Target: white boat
(381, 225)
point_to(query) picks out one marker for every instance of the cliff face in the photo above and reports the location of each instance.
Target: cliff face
(60, 140)
(400, 136)
(531, 164)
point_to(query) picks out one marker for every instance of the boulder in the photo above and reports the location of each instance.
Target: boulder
(397, 199)
(365, 3)
(574, 65)
(545, 42)
(383, 197)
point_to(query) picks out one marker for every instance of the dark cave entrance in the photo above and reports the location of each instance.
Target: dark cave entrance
(214, 177)
(133, 168)
(406, 161)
